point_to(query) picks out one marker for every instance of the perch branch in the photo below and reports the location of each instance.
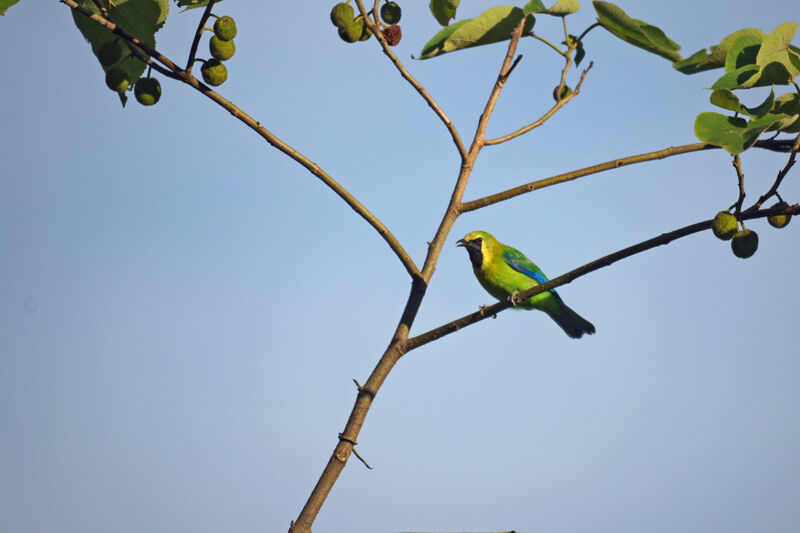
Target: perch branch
(665, 238)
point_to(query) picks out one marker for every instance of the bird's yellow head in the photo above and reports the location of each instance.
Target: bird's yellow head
(478, 244)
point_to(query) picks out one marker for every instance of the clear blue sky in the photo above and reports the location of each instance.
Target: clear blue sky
(183, 308)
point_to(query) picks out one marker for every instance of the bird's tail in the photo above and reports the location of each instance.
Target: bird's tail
(571, 322)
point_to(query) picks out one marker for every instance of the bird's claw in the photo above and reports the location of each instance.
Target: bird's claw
(515, 299)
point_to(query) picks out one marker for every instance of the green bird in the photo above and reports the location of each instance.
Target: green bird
(504, 271)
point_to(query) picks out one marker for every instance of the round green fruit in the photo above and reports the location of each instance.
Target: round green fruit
(350, 33)
(225, 28)
(724, 225)
(222, 50)
(109, 53)
(565, 91)
(117, 79)
(366, 33)
(342, 15)
(779, 221)
(745, 243)
(214, 72)
(147, 91)
(391, 13)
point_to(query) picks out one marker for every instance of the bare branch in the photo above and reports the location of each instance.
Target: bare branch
(737, 164)
(773, 145)
(559, 104)
(665, 238)
(782, 174)
(199, 33)
(373, 25)
(270, 137)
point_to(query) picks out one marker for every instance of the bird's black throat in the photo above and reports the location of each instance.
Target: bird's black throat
(474, 250)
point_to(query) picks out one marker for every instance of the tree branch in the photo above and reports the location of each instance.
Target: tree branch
(782, 174)
(773, 145)
(198, 34)
(270, 137)
(559, 104)
(665, 238)
(397, 346)
(410, 79)
(454, 208)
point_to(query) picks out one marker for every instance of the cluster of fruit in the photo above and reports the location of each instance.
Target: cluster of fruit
(221, 48)
(744, 242)
(147, 90)
(353, 29)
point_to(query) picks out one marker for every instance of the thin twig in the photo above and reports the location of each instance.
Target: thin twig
(737, 164)
(587, 30)
(665, 238)
(776, 146)
(559, 104)
(373, 25)
(197, 34)
(782, 174)
(355, 452)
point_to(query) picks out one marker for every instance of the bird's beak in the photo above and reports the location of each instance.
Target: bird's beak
(461, 242)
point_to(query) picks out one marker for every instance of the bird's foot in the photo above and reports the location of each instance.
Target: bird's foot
(515, 299)
(482, 309)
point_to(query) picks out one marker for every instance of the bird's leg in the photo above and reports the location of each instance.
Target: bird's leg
(515, 299)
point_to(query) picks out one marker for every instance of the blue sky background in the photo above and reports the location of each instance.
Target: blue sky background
(183, 308)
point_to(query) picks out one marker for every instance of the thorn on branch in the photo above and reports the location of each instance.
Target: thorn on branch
(354, 444)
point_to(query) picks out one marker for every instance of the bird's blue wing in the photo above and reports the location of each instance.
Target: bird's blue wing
(517, 260)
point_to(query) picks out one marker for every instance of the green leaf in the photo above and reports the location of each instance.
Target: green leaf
(142, 18)
(743, 51)
(561, 8)
(762, 109)
(737, 79)
(776, 49)
(192, 4)
(491, 26)
(734, 134)
(580, 53)
(636, 32)
(444, 10)
(702, 60)
(787, 104)
(726, 100)
(5, 4)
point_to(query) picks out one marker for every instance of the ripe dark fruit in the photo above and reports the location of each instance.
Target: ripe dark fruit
(117, 79)
(366, 33)
(724, 225)
(779, 221)
(147, 91)
(214, 72)
(225, 28)
(220, 49)
(109, 53)
(342, 15)
(745, 243)
(391, 13)
(393, 34)
(350, 33)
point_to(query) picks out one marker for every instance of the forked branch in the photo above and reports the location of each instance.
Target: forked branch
(187, 78)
